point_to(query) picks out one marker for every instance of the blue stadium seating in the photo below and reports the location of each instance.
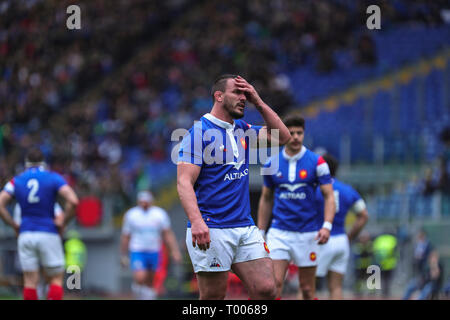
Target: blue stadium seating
(408, 119)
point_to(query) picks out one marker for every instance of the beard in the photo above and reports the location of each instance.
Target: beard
(235, 114)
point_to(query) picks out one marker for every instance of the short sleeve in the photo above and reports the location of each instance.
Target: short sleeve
(10, 187)
(59, 181)
(358, 203)
(246, 126)
(323, 172)
(267, 178)
(191, 148)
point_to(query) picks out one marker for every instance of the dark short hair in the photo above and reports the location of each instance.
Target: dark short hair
(34, 155)
(294, 120)
(332, 162)
(220, 83)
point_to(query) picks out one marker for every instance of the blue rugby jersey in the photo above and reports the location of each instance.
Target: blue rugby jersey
(346, 199)
(294, 185)
(36, 191)
(221, 150)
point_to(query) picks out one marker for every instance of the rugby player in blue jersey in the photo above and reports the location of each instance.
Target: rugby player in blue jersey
(39, 243)
(288, 198)
(333, 256)
(221, 234)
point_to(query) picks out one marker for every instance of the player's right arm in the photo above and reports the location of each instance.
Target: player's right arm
(71, 202)
(125, 240)
(187, 175)
(5, 198)
(362, 216)
(265, 208)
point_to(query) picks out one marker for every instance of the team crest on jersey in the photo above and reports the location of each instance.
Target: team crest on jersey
(312, 256)
(303, 174)
(279, 175)
(214, 263)
(266, 247)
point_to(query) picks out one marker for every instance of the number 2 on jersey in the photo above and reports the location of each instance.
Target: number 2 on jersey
(33, 184)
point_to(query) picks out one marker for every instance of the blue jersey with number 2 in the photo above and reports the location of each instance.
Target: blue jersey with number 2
(36, 191)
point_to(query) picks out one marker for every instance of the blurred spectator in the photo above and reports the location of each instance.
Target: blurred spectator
(363, 258)
(366, 53)
(444, 179)
(422, 250)
(434, 276)
(106, 95)
(447, 289)
(385, 254)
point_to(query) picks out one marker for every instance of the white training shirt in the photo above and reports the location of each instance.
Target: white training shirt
(145, 228)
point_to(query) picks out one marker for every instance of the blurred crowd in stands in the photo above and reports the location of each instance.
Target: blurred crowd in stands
(103, 101)
(436, 177)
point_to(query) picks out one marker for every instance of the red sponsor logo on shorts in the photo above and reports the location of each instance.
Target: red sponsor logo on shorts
(313, 256)
(266, 247)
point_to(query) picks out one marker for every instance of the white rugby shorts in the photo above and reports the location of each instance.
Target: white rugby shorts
(38, 249)
(299, 247)
(334, 255)
(228, 246)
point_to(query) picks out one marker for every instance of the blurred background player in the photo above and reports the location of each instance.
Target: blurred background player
(221, 233)
(59, 218)
(39, 243)
(334, 255)
(145, 228)
(295, 233)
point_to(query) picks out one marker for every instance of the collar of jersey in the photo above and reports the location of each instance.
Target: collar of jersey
(38, 167)
(218, 122)
(295, 157)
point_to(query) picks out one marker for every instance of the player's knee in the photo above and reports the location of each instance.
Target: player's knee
(268, 290)
(140, 278)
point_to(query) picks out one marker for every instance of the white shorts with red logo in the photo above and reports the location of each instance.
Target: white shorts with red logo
(38, 249)
(228, 246)
(299, 247)
(334, 255)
